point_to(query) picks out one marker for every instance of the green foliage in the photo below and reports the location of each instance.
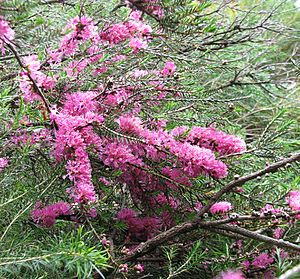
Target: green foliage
(65, 255)
(247, 88)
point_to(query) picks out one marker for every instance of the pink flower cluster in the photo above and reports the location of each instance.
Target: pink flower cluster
(3, 163)
(42, 137)
(80, 30)
(193, 159)
(118, 156)
(139, 268)
(262, 261)
(169, 69)
(6, 34)
(270, 209)
(230, 274)
(150, 6)
(220, 207)
(216, 141)
(42, 81)
(179, 157)
(140, 227)
(73, 137)
(46, 216)
(135, 30)
(293, 200)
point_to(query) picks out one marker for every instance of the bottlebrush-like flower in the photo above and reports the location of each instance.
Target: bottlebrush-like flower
(215, 140)
(230, 274)
(73, 137)
(6, 33)
(130, 124)
(3, 163)
(123, 268)
(140, 227)
(262, 261)
(169, 69)
(139, 268)
(278, 233)
(220, 207)
(82, 30)
(293, 199)
(137, 44)
(46, 216)
(42, 81)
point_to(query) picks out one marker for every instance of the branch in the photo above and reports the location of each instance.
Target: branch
(161, 238)
(241, 181)
(253, 235)
(36, 88)
(290, 273)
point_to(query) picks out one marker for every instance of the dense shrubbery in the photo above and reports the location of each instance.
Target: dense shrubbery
(148, 138)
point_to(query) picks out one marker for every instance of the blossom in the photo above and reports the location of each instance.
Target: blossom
(262, 261)
(215, 140)
(6, 33)
(74, 68)
(140, 227)
(278, 233)
(230, 274)
(41, 80)
(46, 216)
(137, 44)
(130, 124)
(246, 265)
(82, 29)
(139, 268)
(270, 209)
(73, 137)
(293, 199)
(169, 69)
(3, 163)
(220, 207)
(123, 268)
(116, 33)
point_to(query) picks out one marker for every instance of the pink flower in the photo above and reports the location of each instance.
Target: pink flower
(46, 216)
(220, 207)
(293, 199)
(74, 68)
(140, 227)
(126, 213)
(73, 137)
(230, 274)
(82, 30)
(6, 34)
(270, 209)
(137, 44)
(198, 206)
(123, 268)
(262, 261)
(116, 33)
(139, 268)
(169, 69)
(215, 140)
(3, 163)
(42, 81)
(278, 233)
(246, 265)
(130, 124)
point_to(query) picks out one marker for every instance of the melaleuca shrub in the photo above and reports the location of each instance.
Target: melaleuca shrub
(97, 90)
